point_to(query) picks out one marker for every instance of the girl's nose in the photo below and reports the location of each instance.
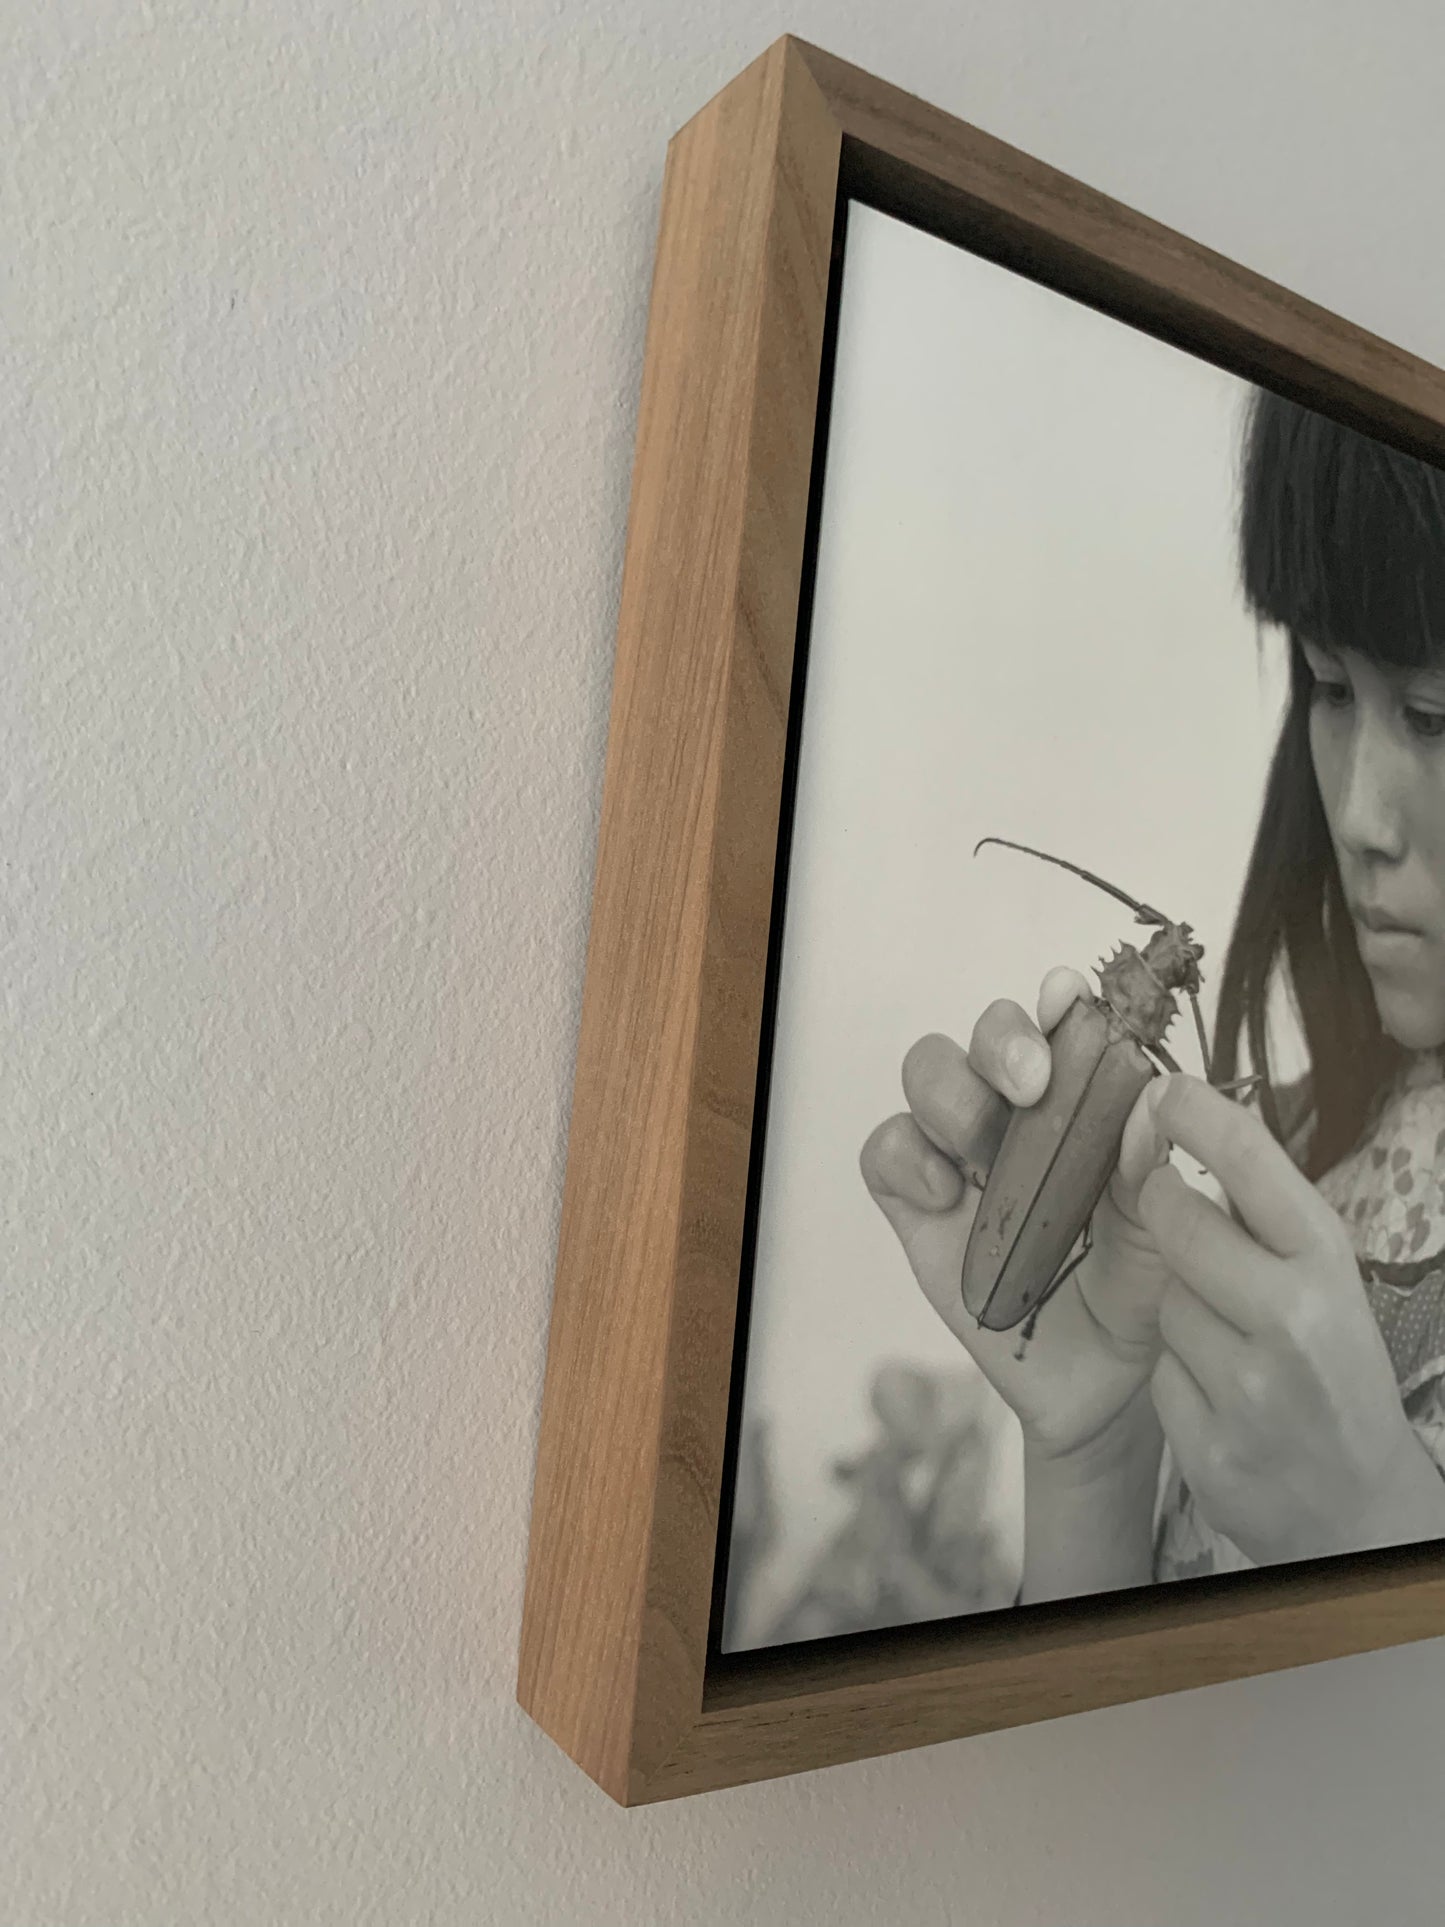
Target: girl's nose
(1368, 817)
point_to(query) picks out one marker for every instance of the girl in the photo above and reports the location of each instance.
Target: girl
(1217, 1388)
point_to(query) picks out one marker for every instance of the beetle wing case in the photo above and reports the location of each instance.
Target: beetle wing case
(1056, 1157)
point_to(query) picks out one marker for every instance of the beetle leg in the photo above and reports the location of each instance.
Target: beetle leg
(1249, 1085)
(1028, 1331)
(1204, 1051)
(1072, 1266)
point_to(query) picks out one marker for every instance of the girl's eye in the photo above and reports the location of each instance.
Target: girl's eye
(1428, 723)
(1331, 695)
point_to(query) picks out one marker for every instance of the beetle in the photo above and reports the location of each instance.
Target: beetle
(1057, 1155)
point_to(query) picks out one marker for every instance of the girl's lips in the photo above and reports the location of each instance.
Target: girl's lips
(1386, 943)
(1381, 923)
(1391, 953)
(1381, 944)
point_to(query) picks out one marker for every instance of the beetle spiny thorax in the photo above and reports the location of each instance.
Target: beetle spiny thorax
(1138, 985)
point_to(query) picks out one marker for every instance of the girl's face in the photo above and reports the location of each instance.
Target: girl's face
(1377, 736)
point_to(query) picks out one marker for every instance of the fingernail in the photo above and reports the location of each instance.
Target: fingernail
(1026, 1062)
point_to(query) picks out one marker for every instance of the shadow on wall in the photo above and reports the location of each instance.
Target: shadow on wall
(919, 1542)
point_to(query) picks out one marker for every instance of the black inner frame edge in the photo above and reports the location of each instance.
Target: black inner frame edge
(876, 180)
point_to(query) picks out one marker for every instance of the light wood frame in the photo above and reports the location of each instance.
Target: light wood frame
(615, 1660)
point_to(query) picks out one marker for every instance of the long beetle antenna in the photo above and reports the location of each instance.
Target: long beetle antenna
(1143, 912)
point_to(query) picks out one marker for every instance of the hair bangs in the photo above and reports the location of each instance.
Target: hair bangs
(1342, 540)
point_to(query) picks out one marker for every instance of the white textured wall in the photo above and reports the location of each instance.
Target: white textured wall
(322, 329)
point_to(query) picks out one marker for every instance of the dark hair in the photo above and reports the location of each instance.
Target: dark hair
(1341, 543)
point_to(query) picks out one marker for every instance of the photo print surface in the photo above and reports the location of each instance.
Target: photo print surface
(1080, 590)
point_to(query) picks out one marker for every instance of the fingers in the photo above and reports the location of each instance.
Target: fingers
(1184, 1412)
(962, 1113)
(1008, 1050)
(930, 1207)
(1213, 1352)
(906, 1172)
(925, 1168)
(1122, 1293)
(1060, 988)
(1203, 1245)
(1143, 1149)
(955, 1094)
(1277, 1202)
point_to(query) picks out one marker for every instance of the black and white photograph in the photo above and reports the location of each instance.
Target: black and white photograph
(1099, 1224)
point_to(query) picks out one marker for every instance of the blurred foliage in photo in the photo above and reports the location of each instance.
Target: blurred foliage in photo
(919, 1542)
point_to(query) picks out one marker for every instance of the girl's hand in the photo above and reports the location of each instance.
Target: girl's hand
(1274, 1386)
(1097, 1339)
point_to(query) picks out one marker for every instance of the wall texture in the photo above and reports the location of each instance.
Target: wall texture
(322, 334)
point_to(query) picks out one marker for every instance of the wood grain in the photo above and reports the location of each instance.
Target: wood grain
(787, 1713)
(914, 160)
(634, 1415)
(627, 1500)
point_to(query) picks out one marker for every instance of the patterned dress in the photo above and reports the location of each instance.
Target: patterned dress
(1390, 1191)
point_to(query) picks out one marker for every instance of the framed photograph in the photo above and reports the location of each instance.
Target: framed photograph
(1002, 1263)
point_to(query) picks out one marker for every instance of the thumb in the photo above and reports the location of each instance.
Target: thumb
(1143, 1149)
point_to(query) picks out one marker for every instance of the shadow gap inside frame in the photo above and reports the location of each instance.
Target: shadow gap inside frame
(933, 206)
(777, 918)
(872, 179)
(883, 1654)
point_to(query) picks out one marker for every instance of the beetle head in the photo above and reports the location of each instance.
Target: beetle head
(1173, 957)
